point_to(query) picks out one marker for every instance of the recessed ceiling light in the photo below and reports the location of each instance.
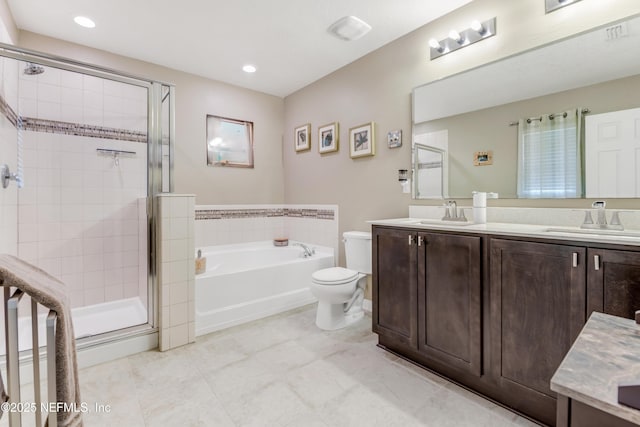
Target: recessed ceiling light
(83, 21)
(249, 68)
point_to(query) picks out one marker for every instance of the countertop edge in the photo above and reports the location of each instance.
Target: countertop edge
(511, 229)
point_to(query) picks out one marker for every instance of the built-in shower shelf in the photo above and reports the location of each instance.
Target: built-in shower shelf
(115, 152)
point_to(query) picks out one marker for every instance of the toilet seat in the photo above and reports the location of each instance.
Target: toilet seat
(334, 276)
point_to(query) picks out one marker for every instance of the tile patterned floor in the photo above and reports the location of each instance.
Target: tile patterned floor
(281, 371)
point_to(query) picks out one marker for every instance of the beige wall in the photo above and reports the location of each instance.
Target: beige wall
(195, 98)
(378, 88)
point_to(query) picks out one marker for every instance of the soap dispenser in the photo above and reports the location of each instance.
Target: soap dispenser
(479, 207)
(201, 263)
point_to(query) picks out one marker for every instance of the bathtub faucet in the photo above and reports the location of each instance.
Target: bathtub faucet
(307, 250)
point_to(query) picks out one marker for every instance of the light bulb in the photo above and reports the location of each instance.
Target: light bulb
(435, 44)
(477, 26)
(455, 36)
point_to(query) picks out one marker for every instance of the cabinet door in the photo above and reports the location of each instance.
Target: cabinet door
(614, 282)
(449, 300)
(395, 285)
(537, 309)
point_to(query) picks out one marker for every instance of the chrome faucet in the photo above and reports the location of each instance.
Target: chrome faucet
(601, 219)
(453, 209)
(307, 251)
(451, 212)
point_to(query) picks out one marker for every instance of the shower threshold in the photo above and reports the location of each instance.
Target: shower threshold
(87, 321)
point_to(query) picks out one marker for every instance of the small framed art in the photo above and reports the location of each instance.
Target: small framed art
(394, 139)
(483, 158)
(328, 138)
(302, 137)
(362, 140)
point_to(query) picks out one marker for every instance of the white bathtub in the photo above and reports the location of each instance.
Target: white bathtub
(248, 281)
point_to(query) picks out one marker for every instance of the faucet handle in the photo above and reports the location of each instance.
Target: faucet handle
(615, 218)
(447, 215)
(587, 217)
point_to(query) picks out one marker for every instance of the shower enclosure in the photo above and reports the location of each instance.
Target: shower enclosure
(87, 148)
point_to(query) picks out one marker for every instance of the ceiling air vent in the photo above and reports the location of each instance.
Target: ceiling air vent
(349, 28)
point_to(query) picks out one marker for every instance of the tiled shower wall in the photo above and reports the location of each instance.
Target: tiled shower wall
(8, 155)
(82, 214)
(227, 224)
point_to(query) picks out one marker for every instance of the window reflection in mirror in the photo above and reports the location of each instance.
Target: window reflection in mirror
(549, 156)
(229, 142)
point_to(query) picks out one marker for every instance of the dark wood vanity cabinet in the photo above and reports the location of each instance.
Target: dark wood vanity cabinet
(450, 300)
(395, 291)
(613, 282)
(427, 294)
(537, 309)
(504, 338)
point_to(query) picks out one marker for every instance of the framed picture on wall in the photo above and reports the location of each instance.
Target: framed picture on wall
(328, 136)
(302, 137)
(362, 141)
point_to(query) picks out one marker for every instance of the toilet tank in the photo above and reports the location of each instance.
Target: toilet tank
(357, 249)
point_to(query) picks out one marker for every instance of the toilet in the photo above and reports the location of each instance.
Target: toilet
(340, 291)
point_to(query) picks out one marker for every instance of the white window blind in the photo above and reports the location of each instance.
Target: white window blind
(549, 162)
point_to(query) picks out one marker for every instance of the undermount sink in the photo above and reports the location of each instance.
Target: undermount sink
(444, 222)
(595, 232)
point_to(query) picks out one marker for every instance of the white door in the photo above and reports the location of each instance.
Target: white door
(612, 154)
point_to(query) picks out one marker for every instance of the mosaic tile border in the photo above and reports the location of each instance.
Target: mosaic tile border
(67, 128)
(205, 214)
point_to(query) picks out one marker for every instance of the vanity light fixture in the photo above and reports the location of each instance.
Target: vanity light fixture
(456, 40)
(435, 44)
(553, 5)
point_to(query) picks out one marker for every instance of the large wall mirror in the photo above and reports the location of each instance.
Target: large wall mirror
(482, 110)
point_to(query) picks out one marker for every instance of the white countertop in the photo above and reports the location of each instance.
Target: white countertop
(626, 237)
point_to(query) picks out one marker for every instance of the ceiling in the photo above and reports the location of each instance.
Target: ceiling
(287, 40)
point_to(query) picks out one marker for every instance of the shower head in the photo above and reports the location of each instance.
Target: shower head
(33, 69)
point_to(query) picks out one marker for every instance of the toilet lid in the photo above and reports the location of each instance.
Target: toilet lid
(334, 276)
